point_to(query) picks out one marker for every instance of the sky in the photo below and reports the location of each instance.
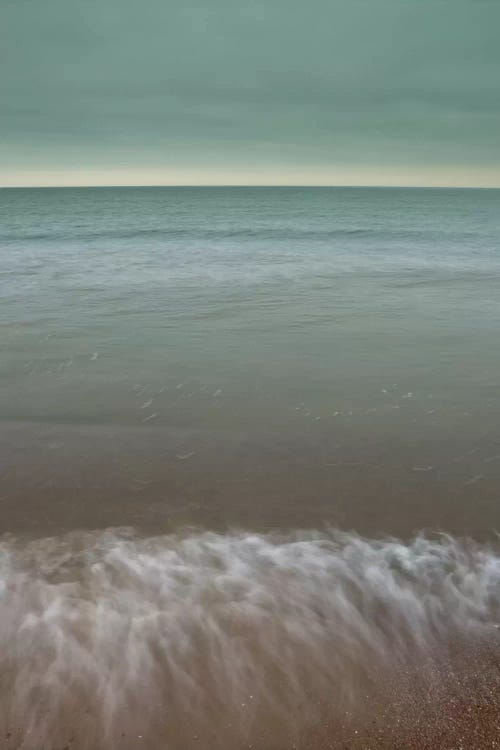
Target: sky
(375, 92)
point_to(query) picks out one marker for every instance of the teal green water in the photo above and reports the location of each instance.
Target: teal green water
(248, 307)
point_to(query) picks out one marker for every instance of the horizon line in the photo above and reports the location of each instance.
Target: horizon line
(253, 185)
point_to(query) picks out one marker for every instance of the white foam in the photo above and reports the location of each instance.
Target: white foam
(147, 634)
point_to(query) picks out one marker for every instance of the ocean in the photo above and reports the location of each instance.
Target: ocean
(250, 467)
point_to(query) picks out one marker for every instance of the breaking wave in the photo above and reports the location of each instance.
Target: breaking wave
(235, 640)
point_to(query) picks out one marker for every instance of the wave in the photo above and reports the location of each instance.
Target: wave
(251, 233)
(238, 639)
(284, 233)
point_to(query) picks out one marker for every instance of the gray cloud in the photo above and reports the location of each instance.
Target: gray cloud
(405, 82)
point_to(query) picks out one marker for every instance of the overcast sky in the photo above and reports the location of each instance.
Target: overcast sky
(250, 91)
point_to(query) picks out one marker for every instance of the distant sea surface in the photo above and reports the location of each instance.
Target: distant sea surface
(265, 366)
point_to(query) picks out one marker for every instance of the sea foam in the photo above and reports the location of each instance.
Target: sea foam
(109, 637)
